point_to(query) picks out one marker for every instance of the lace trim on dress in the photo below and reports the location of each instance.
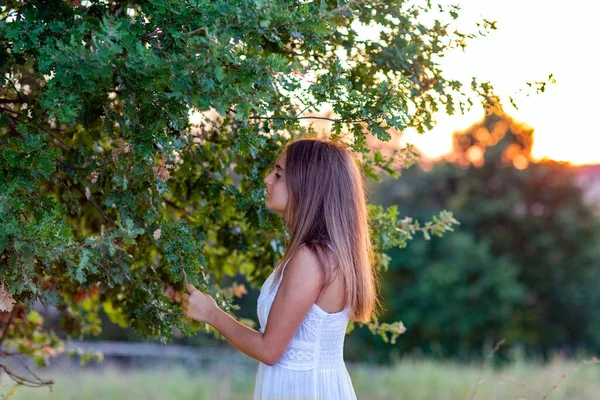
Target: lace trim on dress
(300, 355)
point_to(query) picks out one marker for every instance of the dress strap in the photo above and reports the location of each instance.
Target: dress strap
(291, 255)
(286, 261)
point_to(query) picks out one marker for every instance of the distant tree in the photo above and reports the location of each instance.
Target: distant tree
(524, 265)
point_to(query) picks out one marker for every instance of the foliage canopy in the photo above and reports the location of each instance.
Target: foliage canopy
(110, 194)
(524, 265)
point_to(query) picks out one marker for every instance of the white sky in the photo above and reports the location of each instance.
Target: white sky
(534, 38)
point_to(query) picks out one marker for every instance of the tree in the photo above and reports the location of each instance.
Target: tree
(111, 197)
(524, 264)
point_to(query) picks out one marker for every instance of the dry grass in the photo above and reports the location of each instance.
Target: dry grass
(417, 379)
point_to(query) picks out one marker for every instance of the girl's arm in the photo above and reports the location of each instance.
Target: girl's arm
(299, 288)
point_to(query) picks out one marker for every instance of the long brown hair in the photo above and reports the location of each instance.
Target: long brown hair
(327, 204)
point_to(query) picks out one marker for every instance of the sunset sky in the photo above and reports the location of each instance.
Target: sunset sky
(534, 38)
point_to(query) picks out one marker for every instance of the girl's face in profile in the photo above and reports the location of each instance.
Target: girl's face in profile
(277, 194)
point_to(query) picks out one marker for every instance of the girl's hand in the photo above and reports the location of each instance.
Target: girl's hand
(199, 306)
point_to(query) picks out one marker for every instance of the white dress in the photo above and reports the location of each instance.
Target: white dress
(313, 366)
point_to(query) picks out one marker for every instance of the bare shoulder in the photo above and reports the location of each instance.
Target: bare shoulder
(303, 270)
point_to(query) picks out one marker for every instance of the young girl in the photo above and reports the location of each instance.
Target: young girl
(327, 277)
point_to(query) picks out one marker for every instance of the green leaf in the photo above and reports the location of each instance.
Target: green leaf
(35, 317)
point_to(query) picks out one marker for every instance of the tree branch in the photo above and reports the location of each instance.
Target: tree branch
(155, 33)
(13, 101)
(313, 117)
(8, 323)
(159, 32)
(91, 200)
(197, 30)
(37, 126)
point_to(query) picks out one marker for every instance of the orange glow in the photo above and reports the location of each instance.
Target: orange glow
(475, 155)
(520, 161)
(529, 44)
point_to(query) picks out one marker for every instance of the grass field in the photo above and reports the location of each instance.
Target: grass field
(409, 379)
